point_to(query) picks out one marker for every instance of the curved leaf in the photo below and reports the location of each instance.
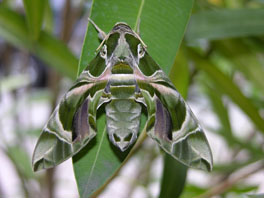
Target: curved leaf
(224, 23)
(255, 196)
(242, 56)
(94, 171)
(34, 14)
(173, 180)
(226, 85)
(52, 51)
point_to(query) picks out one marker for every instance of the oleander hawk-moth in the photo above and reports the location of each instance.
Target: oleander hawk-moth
(122, 79)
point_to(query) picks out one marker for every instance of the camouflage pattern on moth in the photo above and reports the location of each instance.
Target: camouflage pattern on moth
(124, 78)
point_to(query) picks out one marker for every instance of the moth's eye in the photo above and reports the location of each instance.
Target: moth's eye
(141, 50)
(103, 52)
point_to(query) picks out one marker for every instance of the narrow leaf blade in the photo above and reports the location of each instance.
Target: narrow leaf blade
(152, 29)
(174, 176)
(224, 23)
(226, 85)
(34, 14)
(52, 51)
(94, 172)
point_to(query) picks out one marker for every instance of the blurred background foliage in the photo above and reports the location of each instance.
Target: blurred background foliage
(219, 68)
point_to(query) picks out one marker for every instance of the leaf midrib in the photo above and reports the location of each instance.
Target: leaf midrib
(94, 163)
(139, 14)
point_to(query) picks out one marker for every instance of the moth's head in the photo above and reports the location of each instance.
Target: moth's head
(122, 46)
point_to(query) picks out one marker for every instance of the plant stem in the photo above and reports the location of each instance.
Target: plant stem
(233, 179)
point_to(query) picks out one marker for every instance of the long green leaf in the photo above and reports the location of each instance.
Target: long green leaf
(226, 85)
(34, 15)
(244, 59)
(233, 166)
(173, 179)
(52, 51)
(254, 196)
(48, 21)
(221, 111)
(13, 28)
(94, 172)
(21, 161)
(224, 23)
(56, 54)
(179, 73)
(162, 35)
(174, 173)
(225, 127)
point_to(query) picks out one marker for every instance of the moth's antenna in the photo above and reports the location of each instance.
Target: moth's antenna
(101, 33)
(101, 44)
(138, 32)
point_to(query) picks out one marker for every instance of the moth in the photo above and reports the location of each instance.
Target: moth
(122, 78)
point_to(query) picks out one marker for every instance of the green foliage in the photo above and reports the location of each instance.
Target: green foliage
(226, 85)
(255, 196)
(34, 15)
(96, 163)
(21, 158)
(243, 58)
(52, 51)
(224, 40)
(174, 177)
(225, 23)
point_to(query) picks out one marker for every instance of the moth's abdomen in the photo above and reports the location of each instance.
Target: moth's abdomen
(122, 121)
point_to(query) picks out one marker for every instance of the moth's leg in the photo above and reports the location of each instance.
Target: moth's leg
(101, 33)
(107, 88)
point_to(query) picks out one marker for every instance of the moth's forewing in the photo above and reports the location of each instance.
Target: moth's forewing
(96, 66)
(73, 123)
(171, 122)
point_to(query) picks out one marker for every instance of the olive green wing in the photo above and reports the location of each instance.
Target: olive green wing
(172, 124)
(72, 124)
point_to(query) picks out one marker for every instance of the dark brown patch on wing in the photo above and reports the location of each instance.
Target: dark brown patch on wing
(163, 124)
(80, 122)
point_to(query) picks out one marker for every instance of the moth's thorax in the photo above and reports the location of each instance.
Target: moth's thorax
(121, 49)
(121, 68)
